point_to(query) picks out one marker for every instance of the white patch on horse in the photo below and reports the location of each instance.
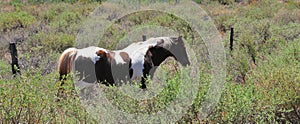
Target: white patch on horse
(137, 52)
(90, 52)
(137, 65)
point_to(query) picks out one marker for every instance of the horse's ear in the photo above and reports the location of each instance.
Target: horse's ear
(160, 43)
(179, 39)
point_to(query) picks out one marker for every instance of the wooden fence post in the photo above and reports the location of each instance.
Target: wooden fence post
(14, 60)
(231, 39)
(144, 37)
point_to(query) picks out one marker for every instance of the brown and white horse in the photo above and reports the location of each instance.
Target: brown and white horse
(94, 64)
(148, 55)
(135, 62)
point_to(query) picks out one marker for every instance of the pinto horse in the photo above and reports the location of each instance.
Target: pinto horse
(134, 62)
(94, 64)
(148, 55)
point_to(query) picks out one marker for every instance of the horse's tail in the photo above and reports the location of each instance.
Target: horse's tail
(65, 62)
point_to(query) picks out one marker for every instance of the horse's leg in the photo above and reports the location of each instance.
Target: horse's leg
(143, 86)
(148, 65)
(152, 71)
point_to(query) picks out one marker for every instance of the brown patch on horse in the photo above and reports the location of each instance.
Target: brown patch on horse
(104, 54)
(109, 72)
(101, 53)
(125, 56)
(103, 67)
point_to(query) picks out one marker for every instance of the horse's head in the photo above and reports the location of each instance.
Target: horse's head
(168, 46)
(178, 49)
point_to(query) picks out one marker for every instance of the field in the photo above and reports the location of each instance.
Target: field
(262, 71)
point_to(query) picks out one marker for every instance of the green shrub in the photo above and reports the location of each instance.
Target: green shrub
(54, 1)
(66, 21)
(198, 1)
(62, 1)
(66, 18)
(261, 10)
(117, 31)
(51, 13)
(285, 16)
(31, 99)
(16, 4)
(5, 70)
(237, 104)
(11, 20)
(289, 31)
(52, 41)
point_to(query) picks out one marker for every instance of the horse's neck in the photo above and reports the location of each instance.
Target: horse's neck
(159, 54)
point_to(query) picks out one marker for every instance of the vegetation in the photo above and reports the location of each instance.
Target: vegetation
(263, 70)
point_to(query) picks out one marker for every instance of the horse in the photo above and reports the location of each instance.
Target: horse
(134, 62)
(148, 55)
(94, 64)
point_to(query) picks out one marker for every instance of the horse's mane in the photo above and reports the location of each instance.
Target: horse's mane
(167, 41)
(151, 42)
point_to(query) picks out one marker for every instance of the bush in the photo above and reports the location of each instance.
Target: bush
(4, 70)
(66, 21)
(31, 99)
(13, 20)
(289, 31)
(60, 1)
(66, 18)
(51, 41)
(271, 94)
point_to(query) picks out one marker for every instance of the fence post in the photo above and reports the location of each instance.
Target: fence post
(144, 37)
(14, 60)
(231, 39)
